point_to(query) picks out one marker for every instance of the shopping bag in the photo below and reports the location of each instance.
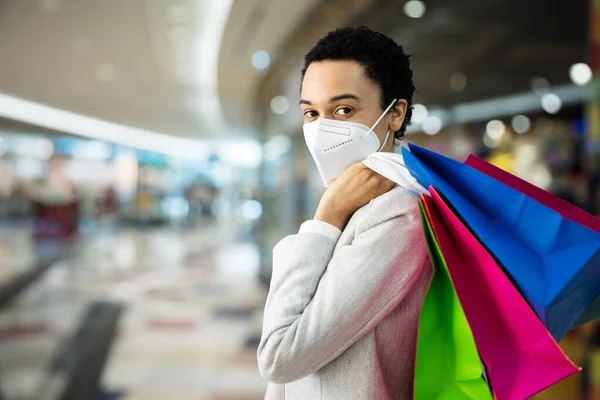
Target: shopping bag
(520, 355)
(447, 363)
(554, 262)
(563, 207)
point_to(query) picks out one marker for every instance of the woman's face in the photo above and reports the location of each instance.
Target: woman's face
(341, 90)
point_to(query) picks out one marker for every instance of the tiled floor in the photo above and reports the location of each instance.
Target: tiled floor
(192, 318)
(16, 250)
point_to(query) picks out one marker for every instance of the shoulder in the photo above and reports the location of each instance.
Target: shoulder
(398, 203)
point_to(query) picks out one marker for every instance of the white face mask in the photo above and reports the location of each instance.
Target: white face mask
(336, 145)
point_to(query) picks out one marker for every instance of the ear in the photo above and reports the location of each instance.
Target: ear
(397, 114)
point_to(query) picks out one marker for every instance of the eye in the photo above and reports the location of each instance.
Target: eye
(343, 111)
(310, 114)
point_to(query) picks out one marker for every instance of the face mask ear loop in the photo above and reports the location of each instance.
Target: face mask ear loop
(385, 141)
(381, 117)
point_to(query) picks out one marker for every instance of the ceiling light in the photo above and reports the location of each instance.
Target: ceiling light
(280, 105)
(581, 74)
(92, 150)
(551, 103)
(75, 124)
(276, 147)
(261, 60)
(243, 154)
(252, 209)
(458, 81)
(414, 8)
(495, 129)
(208, 39)
(521, 124)
(432, 125)
(419, 113)
(540, 85)
(489, 142)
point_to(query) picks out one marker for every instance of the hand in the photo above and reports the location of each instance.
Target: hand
(353, 189)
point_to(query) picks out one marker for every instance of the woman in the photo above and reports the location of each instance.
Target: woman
(343, 309)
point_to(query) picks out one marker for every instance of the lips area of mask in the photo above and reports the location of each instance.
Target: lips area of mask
(334, 152)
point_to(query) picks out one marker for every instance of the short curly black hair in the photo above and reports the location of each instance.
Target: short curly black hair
(384, 61)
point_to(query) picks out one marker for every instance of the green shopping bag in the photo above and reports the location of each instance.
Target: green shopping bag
(448, 364)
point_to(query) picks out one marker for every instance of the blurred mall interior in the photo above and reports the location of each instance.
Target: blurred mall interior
(151, 155)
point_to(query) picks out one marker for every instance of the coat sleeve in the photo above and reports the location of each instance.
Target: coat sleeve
(320, 303)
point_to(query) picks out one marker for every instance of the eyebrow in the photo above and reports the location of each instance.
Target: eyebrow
(335, 98)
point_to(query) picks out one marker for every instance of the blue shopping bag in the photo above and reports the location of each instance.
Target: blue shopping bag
(553, 261)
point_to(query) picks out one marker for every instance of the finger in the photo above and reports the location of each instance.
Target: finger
(360, 165)
(386, 185)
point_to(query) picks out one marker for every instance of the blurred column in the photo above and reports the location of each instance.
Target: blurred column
(279, 191)
(288, 193)
(265, 196)
(592, 145)
(591, 372)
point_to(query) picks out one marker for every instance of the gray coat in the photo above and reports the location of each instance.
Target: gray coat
(343, 309)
